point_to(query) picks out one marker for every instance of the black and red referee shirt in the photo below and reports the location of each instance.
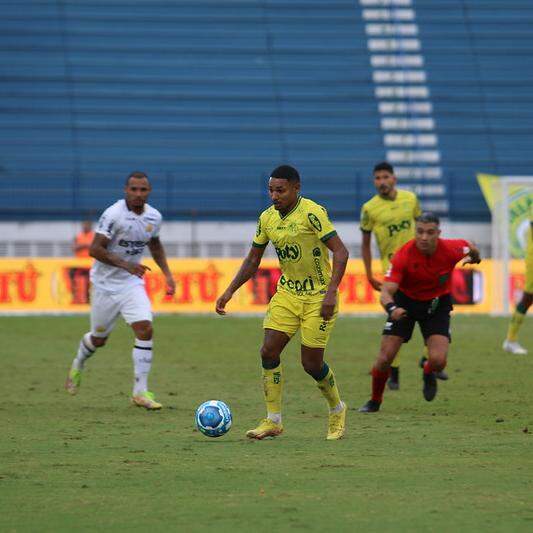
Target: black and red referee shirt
(424, 277)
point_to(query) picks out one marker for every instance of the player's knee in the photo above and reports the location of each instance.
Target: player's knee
(437, 360)
(98, 342)
(143, 330)
(312, 367)
(527, 300)
(269, 356)
(384, 360)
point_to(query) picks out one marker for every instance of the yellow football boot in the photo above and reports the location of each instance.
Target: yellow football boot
(337, 424)
(146, 400)
(266, 428)
(73, 381)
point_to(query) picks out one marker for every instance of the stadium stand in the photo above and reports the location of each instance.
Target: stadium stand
(208, 96)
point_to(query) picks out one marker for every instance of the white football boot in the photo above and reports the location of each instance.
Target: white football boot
(513, 347)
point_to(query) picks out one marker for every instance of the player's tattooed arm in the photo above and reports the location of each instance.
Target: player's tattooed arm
(388, 289)
(248, 268)
(99, 251)
(366, 254)
(158, 253)
(340, 259)
(473, 256)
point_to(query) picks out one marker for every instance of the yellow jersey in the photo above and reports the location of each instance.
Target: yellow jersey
(391, 221)
(299, 238)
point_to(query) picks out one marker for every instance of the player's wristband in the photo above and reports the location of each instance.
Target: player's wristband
(390, 307)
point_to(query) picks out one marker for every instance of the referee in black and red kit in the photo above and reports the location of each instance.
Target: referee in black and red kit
(417, 289)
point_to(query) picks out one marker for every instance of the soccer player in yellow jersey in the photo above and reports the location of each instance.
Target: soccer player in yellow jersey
(305, 298)
(511, 343)
(390, 215)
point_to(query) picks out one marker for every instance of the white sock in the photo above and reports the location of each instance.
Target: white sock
(85, 350)
(275, 417)
(142, 362)
(337, 409)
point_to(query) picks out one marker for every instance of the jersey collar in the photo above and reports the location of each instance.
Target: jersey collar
(131, 211)
(389, 199)
(292, 210)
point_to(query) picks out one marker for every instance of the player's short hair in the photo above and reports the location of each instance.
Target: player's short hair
(135, 174)
(428, 217)
(384, 166)
(285, 172)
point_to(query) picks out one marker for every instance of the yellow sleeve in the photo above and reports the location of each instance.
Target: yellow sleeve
(366, 223)
(417, 211)
(319, 222)
(261, 238)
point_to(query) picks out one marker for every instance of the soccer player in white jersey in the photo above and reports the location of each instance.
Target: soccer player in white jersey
(124, 229)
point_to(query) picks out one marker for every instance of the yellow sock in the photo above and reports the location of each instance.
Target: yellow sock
(514, 325)
(273, 384)
(328, 387)
(396, 362)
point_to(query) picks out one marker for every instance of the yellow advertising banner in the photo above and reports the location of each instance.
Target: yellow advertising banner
(52, 285)
(520, 209)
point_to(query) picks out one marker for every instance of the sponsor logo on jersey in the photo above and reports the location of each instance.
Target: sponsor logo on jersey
(292, 228)
(133, 247)
(127, 244)
(297, 285)
(289, 253)
(316, 260)
(396, 228)
(314, 221)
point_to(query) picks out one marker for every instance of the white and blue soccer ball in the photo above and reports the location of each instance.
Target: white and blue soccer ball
(213, 418)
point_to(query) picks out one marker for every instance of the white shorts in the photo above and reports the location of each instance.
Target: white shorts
(133, 304)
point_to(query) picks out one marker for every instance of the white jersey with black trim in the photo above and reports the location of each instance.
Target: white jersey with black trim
(128, 235)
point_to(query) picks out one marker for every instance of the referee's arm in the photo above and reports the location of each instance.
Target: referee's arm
(473, 257)
(386, 298)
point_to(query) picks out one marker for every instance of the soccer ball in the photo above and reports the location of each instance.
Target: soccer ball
(213, 418)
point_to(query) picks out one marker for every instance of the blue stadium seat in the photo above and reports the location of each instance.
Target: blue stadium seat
(208, 96)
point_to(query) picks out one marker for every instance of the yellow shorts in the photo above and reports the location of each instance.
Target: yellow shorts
(529, 270)
(289, 313)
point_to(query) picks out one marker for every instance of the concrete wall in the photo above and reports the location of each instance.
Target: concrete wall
(185, 239)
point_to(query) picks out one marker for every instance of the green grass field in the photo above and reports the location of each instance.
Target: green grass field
(92, 462)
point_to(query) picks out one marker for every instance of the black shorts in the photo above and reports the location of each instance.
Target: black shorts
(433, 317)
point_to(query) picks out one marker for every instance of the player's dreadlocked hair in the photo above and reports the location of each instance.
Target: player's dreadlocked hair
(136, 174)
(285, 172)
(427, 217)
